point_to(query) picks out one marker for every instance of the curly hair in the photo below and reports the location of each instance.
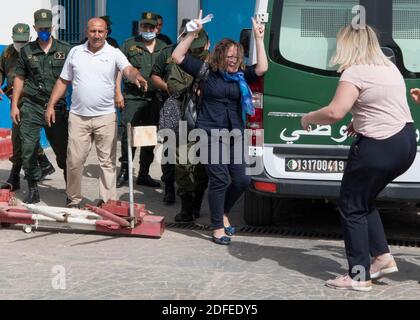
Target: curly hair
(218, 56)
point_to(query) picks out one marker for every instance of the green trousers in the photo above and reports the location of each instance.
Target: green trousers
(189, 177)
(32, 119)
(16, 157)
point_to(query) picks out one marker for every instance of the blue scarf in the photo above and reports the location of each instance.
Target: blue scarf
(246, 94)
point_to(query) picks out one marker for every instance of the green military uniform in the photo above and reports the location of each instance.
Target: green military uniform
(8, 62)
(161, 68)
(141, 108)
(164, 62)
(189, 178)
(41, 71)
(192, 179)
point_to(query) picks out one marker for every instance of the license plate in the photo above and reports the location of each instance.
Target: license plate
(315, 165)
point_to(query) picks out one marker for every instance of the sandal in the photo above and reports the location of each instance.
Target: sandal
(223, 240)
(230, 231)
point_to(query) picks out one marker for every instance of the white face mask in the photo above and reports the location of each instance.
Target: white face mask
(18, 45)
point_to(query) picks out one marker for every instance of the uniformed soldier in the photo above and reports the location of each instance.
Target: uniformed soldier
(8, 62)
(192, 179)
(159, 33)
(159, 76)
(38, 68)
(141, 108)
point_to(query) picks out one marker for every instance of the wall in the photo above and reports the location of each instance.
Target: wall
(123, 12)
(23, 11)
(187, 9)
(230, 17)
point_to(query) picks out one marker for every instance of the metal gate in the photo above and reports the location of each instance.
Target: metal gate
(73, 16)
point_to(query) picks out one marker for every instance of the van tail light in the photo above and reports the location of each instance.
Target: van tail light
(255, 122)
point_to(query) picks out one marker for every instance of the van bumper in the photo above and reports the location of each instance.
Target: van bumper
(315, 189)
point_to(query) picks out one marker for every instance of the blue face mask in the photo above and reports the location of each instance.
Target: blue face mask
(148, 36)
(44, 35)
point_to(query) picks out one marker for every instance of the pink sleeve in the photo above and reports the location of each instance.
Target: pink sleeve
(352, 76)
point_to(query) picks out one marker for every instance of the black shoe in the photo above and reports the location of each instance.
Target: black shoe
(100, 203)
(169, 197)
(225, 241)
(13, 182)
(46, 171)
(33, 193)
(73, 206)
(186, 214)
(122, 177)
(184, 217)
(146, 180)
(10, 185)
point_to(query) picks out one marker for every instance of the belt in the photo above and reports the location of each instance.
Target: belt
(60, 106)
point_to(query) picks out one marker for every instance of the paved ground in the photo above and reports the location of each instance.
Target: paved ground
(183, 264)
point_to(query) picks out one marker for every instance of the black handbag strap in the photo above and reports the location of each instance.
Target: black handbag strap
(202, 75)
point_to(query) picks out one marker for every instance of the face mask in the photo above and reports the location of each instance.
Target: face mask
(148, 36)
(18, 45)
(44, 35)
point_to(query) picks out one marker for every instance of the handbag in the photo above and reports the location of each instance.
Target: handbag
(193, 98)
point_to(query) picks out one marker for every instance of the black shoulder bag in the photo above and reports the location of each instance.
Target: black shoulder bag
(193, 99)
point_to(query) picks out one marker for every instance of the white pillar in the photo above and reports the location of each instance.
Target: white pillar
(187, 9)
(100, 8)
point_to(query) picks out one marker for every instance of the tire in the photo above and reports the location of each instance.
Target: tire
(258, 209)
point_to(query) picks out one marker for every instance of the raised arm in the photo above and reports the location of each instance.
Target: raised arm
(182, 48)
(262, 62)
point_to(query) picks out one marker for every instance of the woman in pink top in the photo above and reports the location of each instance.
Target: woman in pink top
(373, 90)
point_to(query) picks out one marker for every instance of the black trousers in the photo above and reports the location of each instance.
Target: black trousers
(139, 113)
(227, 182)
(372, 164)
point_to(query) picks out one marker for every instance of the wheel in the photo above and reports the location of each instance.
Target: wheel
(258, 209)
(27, 228)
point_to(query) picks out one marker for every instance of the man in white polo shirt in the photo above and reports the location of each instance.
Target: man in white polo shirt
(92, 69)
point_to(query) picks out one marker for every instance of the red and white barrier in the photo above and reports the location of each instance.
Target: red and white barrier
(112, 217)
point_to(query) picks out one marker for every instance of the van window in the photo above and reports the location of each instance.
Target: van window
(308, 30)
(406, 31)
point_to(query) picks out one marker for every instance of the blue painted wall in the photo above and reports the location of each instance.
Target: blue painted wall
(123, 12)
(230, 17)
(5, 121)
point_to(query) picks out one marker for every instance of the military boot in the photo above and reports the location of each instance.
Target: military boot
(13, 182)
(146, 180)
(33, 193)
(46, 166)
(122, 177)
(186, 214)
(196, 204)
(169, 197)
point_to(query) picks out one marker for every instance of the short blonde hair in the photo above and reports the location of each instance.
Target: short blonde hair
(358, 47)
